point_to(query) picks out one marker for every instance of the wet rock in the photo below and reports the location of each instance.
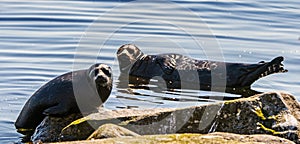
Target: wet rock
(48, 130)
(269, 113)
(52, 128)
(212, 138)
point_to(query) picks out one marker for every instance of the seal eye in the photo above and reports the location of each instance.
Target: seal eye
(120, 50)
(106, 72)
(130, 51)
(96, 72)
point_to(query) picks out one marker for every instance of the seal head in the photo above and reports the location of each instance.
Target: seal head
(101, 75)
(127, 55)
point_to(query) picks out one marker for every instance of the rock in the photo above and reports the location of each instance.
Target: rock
(212, 138)
(111, 131)
(50, 128)
(269, 113)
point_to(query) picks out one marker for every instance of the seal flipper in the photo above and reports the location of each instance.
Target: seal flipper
(263, 69)
(56, 110)
(167, 64)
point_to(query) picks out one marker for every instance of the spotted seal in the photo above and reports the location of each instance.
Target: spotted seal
(141, 68)
(72, 92)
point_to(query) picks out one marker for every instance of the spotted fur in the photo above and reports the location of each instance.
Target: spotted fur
(178, 70)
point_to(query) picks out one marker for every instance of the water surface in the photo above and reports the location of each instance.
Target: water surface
(43, 39)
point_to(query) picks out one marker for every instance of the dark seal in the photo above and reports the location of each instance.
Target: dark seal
(179, 70)
(74, 92)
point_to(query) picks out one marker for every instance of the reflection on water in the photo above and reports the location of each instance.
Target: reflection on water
(160, 92)
(43, 39)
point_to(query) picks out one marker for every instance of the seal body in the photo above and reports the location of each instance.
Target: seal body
(73, 92)
(181, 71)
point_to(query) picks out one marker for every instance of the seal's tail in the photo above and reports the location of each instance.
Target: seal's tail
(263, 69)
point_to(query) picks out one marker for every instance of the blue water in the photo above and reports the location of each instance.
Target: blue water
(42, 39)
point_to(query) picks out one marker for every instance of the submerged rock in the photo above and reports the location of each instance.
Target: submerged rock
(269, 113)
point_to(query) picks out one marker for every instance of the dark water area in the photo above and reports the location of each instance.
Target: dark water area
(42, 39)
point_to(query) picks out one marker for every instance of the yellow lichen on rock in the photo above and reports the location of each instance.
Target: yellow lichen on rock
(78, 121)
(268, 129)
(259, 113)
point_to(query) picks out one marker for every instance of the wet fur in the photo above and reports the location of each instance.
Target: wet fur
(57, 98)
(171, 66)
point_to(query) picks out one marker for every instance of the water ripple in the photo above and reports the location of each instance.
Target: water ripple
(43, 39)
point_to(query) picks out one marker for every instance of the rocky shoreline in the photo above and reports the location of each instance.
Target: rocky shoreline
(264, 118)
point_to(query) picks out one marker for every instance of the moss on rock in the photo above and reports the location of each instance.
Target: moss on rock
(213, 138)
(269, 113)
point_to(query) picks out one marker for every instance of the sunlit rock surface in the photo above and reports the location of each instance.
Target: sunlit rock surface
(111, 131)
(269, 113)
(212, 138)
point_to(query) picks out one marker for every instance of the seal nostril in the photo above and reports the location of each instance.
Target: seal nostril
(101, 79)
